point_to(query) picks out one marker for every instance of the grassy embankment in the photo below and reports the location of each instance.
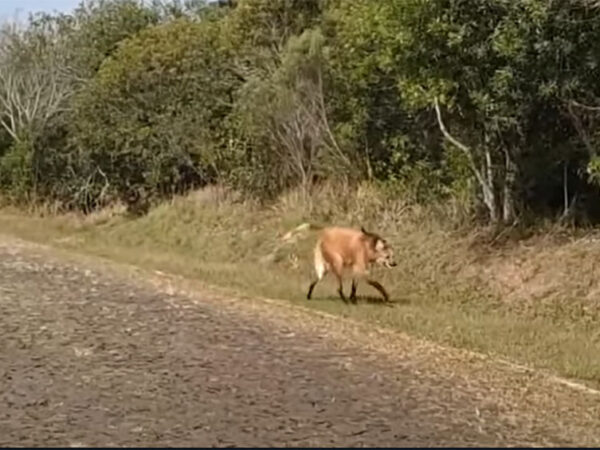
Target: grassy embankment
(534, 301)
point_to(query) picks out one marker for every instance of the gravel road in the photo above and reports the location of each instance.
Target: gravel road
(92, 358)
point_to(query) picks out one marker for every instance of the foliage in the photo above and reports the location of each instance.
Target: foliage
(495, 68)
(284, 120)
(16, 170)
(495, 102)
(151, 118)
(390, 141)
(97, 27)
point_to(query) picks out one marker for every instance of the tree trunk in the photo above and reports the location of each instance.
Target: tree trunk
(487, 188)
(565, 189)
(508, 205)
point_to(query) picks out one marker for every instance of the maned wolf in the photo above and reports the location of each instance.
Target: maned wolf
(339, 248)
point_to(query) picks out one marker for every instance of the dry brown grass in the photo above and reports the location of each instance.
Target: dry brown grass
(533, 301)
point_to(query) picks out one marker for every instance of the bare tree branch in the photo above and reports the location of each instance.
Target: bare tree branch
(579, 128)
(489, 196)
(582, 106)
(33, 86)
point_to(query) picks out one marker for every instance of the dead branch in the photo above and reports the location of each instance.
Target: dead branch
(486, 185)
(582, 106)
(579, 128)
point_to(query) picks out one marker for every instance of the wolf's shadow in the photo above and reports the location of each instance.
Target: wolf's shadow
(368, 299)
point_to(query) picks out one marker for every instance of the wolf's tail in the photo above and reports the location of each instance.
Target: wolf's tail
(300, 228)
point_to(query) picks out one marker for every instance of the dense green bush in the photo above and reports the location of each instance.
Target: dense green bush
(151, 117)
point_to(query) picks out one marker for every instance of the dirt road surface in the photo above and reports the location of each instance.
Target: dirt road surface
(90, 356)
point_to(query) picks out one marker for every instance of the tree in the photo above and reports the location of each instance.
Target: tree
(97, 27)
(284, 120)
(487, 70)
(387, 139)
(33, 92)
(151, 118)
(258, 30)
(33, 88)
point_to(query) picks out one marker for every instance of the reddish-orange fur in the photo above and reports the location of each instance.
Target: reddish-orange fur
(341, 248)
